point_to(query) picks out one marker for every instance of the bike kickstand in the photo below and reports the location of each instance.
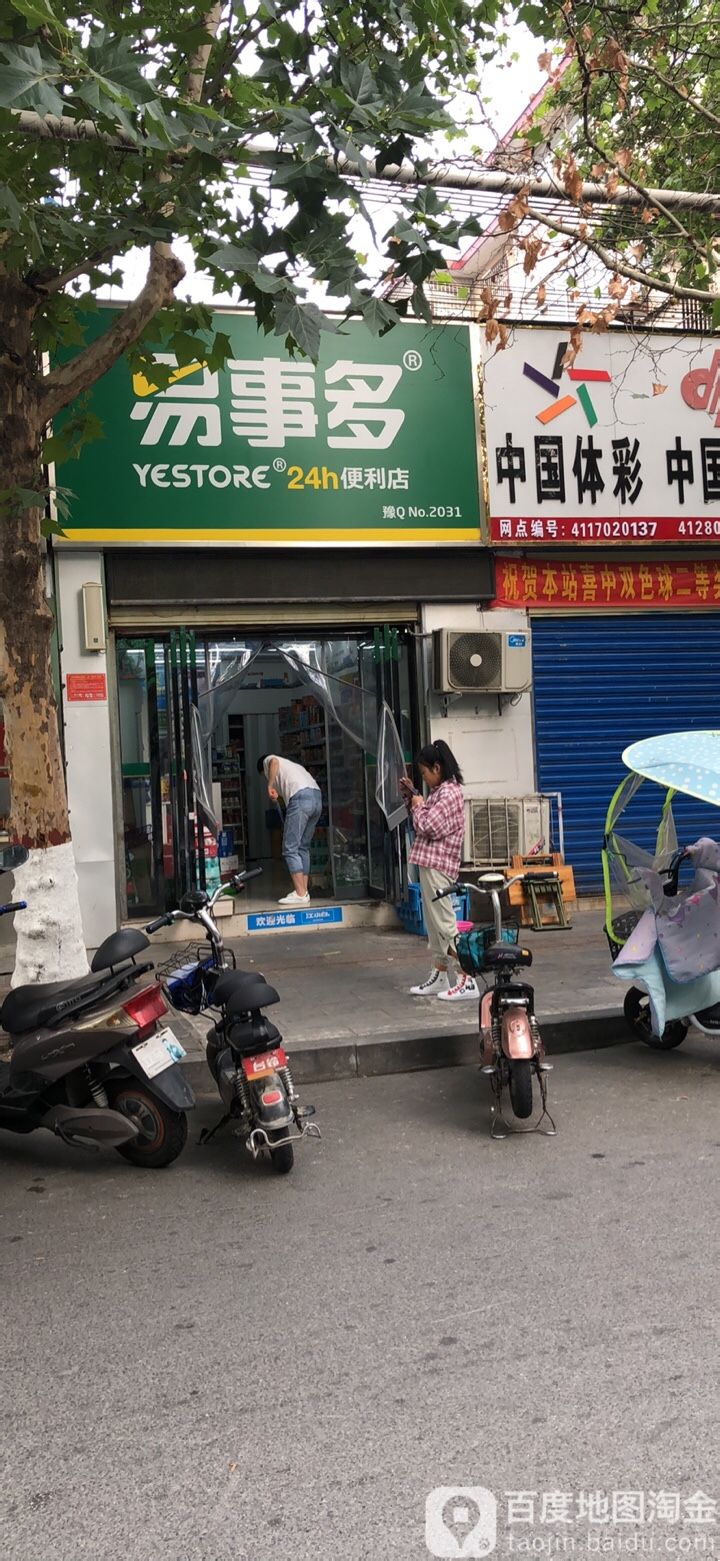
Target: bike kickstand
(209, 1132)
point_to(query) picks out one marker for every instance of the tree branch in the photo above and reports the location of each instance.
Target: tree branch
(686, 100)
(198, 63)
(69, 380)
(622, 267)
(633, 183)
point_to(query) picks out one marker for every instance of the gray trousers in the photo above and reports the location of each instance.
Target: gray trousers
(439, 916)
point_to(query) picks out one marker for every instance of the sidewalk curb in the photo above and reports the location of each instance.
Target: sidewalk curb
(408, 1052)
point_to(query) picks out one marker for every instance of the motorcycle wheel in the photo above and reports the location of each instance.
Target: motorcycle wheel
(282, 1158)
(521, 1089)
(162, 1132)
(636, 1009)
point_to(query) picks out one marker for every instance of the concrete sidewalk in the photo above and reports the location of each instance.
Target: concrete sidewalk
(345, 1008)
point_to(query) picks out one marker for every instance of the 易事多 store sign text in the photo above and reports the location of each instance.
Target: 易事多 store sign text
(621, 446)
(376, 442)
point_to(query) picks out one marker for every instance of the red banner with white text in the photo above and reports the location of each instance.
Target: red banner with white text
(606, 583)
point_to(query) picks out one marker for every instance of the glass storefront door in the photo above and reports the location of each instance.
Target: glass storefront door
(328, 720)
(157, 682)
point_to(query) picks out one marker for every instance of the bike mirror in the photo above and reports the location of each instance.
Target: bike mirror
(12, 857)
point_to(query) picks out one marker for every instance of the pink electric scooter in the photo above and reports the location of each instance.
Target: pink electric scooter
(513, 1054)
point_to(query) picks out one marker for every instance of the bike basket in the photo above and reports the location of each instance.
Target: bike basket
(183, 978)
(622, 926)
(471, 946)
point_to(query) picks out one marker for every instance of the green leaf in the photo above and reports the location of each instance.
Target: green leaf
(716, 314)
(234, 258)
(359, 83)
(267, 283)
(303, 323)
(26, 80)
(421, 306)
(379, 316)
(39, 13)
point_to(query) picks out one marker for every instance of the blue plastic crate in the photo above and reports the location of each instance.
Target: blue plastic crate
(410, 911)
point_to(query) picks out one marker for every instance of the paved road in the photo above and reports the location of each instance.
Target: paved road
(212, 1363)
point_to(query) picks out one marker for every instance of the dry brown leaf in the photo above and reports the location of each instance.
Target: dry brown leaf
(532, 250)
(572, 179)
(587, 34)
(617, 287)
(659, 390)
(492, 331)
(545, 60)
(507, 300)
(506, 222)
(611, 183)
(503, 334)
(623, 158)
(614, 58)
(648, 215)
(541, 294)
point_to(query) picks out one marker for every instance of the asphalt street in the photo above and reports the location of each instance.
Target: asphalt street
(211, 1362)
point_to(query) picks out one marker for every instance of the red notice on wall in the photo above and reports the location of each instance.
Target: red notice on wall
(83, 688)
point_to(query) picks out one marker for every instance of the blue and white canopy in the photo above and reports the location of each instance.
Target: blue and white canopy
(686, 761)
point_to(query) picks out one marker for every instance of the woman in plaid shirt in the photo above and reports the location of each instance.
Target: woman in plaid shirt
(439, 825)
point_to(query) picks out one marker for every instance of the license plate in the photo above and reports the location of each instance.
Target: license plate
(266, 1062)
(158, 1052)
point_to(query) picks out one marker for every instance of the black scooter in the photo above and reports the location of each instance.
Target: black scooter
(245, 1052)
(90, 1060)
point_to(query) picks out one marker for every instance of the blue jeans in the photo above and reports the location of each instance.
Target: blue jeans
(303, 812)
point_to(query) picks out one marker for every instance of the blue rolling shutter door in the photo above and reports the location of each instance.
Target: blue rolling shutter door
(601, 683)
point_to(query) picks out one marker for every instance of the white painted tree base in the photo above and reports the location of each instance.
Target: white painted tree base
(50, 943)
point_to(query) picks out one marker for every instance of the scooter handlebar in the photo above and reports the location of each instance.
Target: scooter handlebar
(670, 889)
(244, 877)
(162, 921)
(15, 905)
(499, 886)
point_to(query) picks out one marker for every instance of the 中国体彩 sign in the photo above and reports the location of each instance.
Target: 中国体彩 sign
(375, 442)
(622, 446)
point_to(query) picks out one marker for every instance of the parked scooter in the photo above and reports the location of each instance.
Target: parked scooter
(512, 1049)
(663, 936)
(96, 1070)
(245, 1053)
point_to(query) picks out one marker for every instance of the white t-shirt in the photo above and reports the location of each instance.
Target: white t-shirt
(291, 777)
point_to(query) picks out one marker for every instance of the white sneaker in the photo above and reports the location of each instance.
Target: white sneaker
(294, 899)
(464, 988)
(435, 985)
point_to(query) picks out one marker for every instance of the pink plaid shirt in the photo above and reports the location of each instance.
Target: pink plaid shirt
(440, 829)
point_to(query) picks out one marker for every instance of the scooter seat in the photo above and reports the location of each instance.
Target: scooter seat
(244, 992)
(29, 1007)
(499, 956)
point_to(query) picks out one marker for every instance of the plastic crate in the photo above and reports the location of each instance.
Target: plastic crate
(410, 911)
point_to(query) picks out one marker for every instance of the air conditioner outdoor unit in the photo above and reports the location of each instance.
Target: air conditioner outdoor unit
(471, 661)
(504, 827)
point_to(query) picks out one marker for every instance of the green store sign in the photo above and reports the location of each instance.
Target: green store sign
(377, 442)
